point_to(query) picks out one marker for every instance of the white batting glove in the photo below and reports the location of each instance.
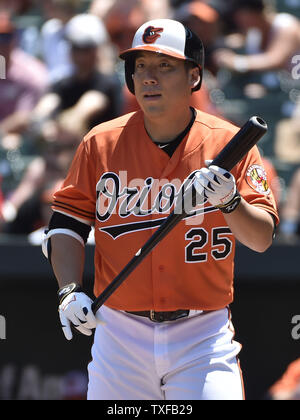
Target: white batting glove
(218, 186)
(75, 310)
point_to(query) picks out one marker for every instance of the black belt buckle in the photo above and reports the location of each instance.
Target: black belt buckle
(153, 316)
(168, 316)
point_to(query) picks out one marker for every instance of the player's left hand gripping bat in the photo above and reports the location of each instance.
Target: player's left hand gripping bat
(229, 156)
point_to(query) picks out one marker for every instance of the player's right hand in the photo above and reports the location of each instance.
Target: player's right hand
(75, 310)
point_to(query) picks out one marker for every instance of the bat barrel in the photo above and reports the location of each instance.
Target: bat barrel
(241, 143)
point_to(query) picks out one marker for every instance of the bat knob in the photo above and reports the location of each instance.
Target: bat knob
(259, 122)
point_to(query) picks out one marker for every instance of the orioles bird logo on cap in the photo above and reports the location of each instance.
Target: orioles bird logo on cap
(151, 34)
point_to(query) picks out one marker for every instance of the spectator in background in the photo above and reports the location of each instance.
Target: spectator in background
(290, 212)
(63, 115)
(24, 83)
(55, 49)
(122, 18)
(15, 7)
(121, 21)
(28, 33)
(88, 97)
(28, 208)
(207, 23)
(277, 38)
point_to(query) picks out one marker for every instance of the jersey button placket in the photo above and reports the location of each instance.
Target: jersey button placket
(158, 271)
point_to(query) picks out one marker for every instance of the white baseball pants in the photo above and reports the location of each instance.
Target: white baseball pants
(193, 358)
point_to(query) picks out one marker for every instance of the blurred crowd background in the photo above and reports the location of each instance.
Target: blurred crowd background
(60, 75)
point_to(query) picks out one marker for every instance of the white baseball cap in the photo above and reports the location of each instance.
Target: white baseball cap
(160, 35)
(165, 36)
(85, 30)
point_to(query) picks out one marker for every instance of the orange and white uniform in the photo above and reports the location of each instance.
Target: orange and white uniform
(124, 185)
(167, 332)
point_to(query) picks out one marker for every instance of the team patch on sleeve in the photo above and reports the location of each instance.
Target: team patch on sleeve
(256, 177)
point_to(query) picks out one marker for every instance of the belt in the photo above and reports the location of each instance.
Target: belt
(162, 316)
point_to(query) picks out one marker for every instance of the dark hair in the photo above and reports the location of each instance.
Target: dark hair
(189, 65)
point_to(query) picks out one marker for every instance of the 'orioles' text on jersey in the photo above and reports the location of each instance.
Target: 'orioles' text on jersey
(125, 186)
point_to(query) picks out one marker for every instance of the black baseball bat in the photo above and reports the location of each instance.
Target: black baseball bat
(230, 155)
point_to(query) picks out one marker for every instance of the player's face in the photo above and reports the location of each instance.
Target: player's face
(162, 84)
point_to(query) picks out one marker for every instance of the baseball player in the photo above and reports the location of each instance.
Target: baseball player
(166, 332)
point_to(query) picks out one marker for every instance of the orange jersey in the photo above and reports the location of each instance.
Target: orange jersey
(125, 185)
